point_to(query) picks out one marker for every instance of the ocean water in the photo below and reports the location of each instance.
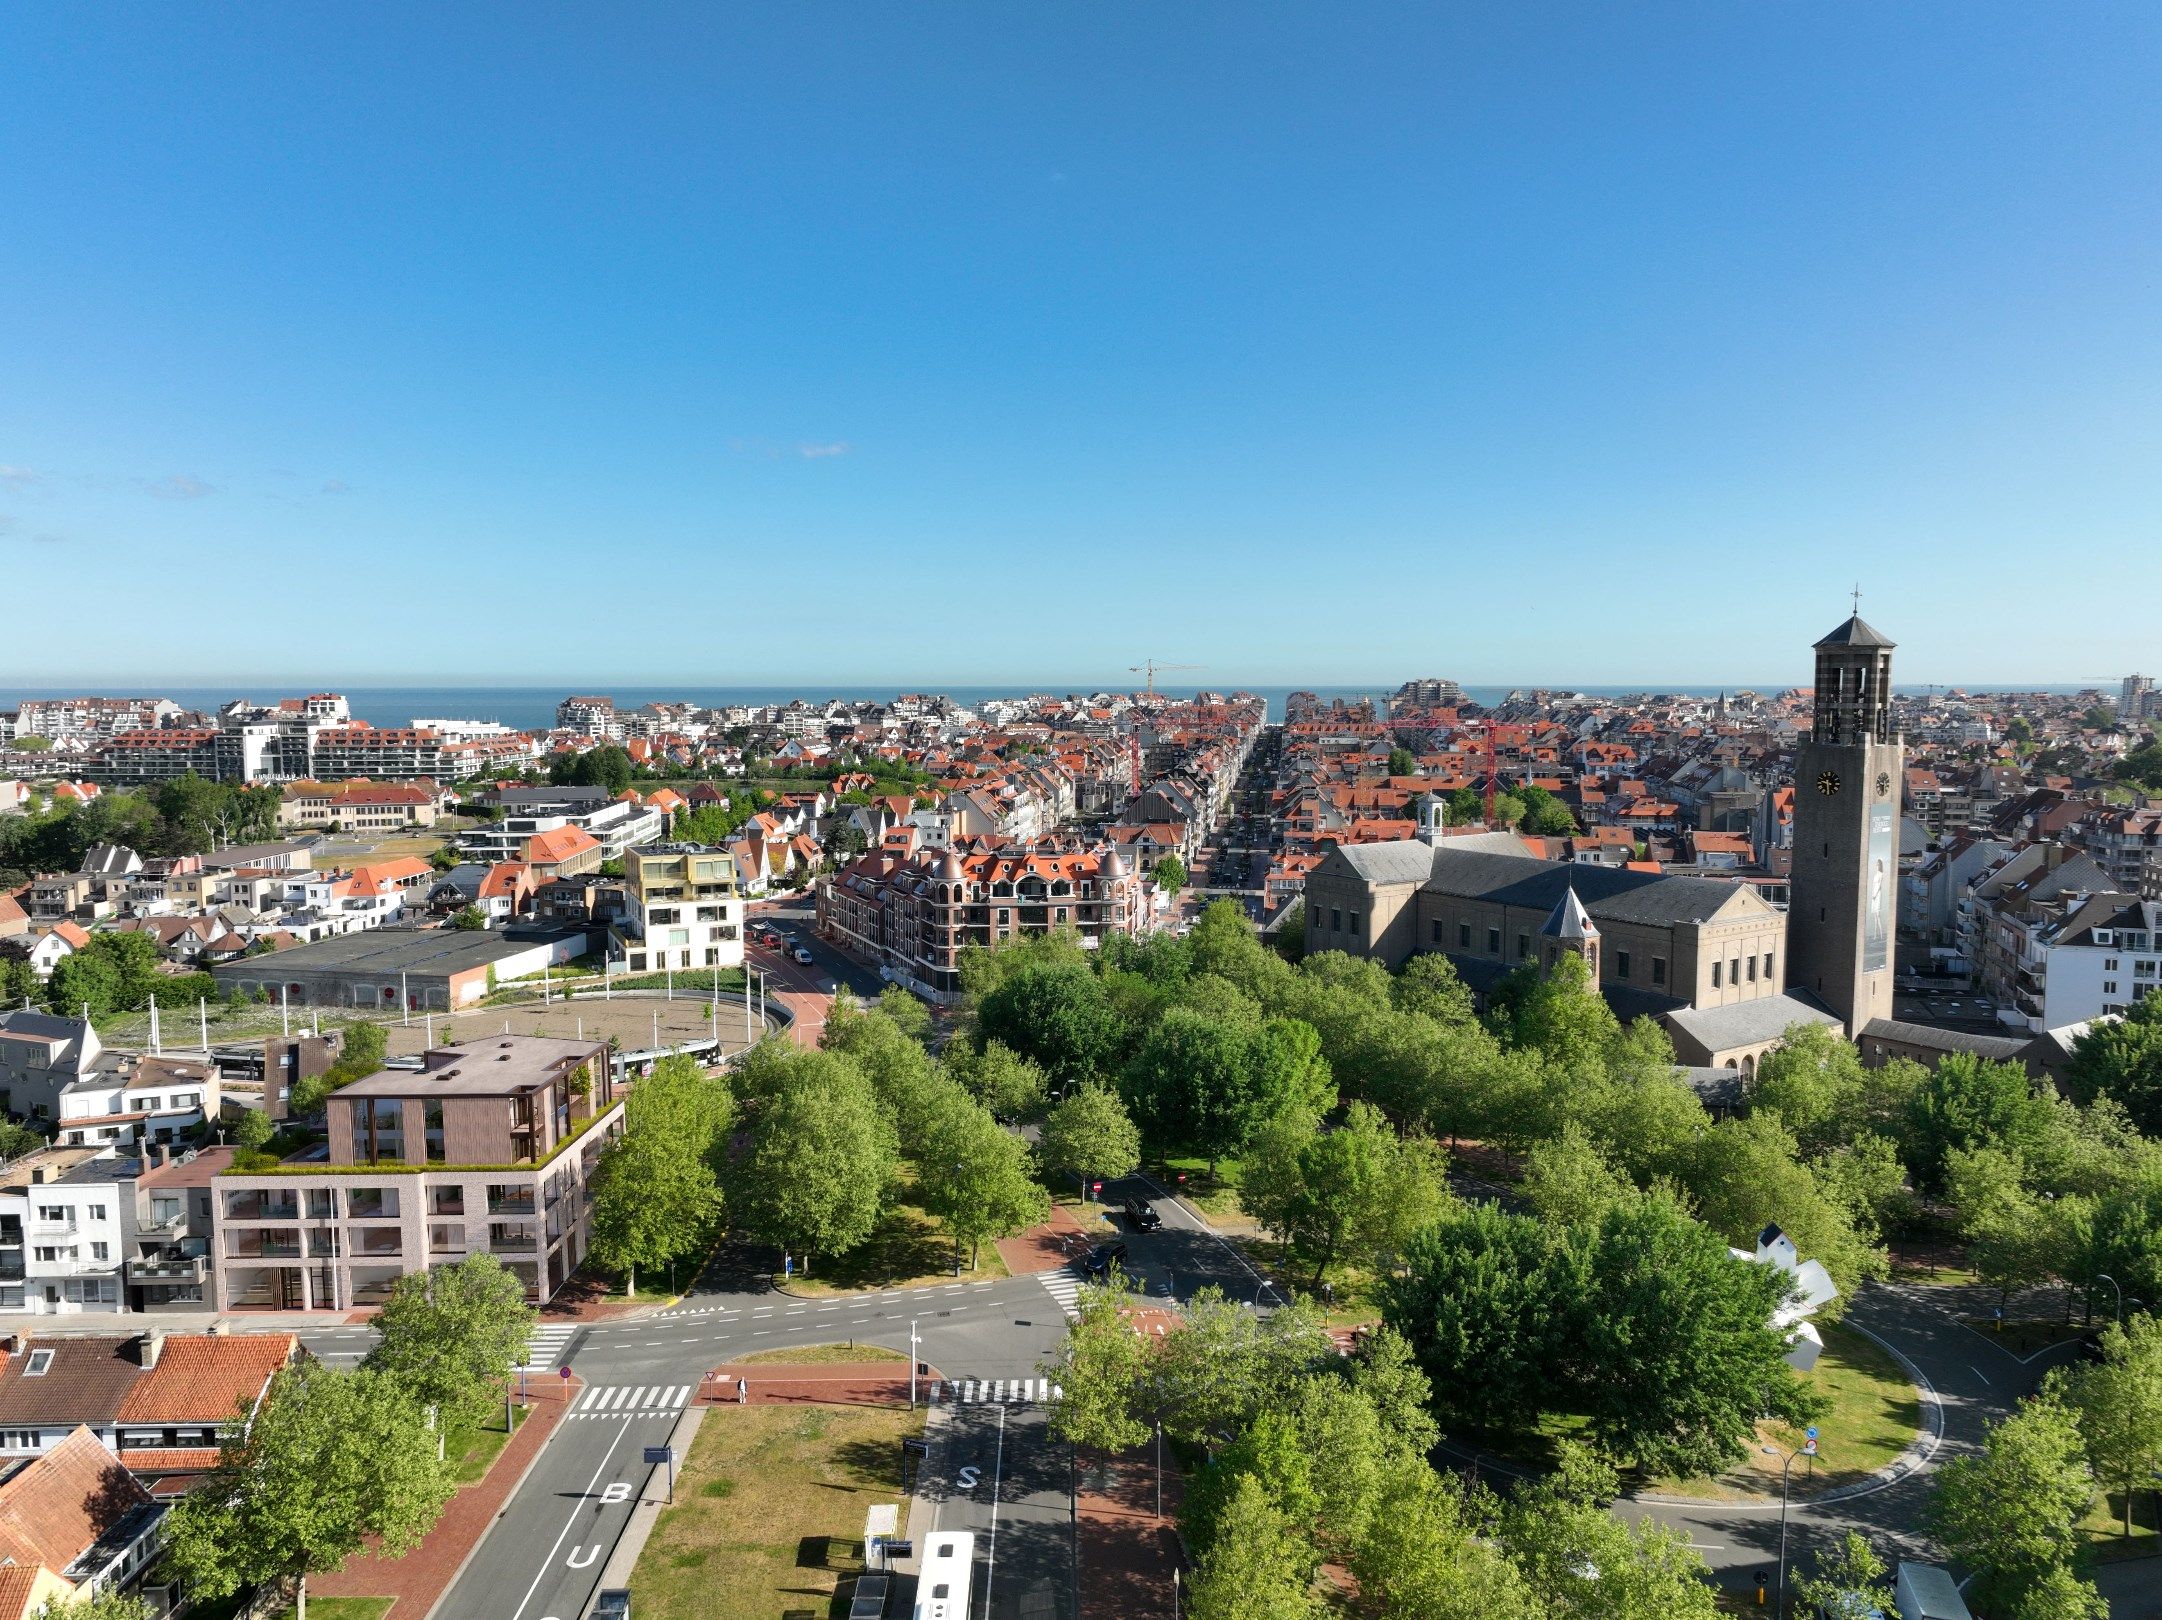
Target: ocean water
(530, 708)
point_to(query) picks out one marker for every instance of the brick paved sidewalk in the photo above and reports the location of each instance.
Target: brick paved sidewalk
(827, 1383)
(1046, 1247)
(418, 1581)
(1127, 1553)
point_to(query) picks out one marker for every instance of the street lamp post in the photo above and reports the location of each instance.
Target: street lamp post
(1786, 1467)
(2103, 1276)
(912, 1364)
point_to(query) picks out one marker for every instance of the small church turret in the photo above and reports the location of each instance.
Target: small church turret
(1569, 931)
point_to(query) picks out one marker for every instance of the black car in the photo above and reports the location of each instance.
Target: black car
(1141, 1215)
(1099, 1260)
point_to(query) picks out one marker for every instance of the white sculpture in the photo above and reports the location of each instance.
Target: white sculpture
(1813, 1290)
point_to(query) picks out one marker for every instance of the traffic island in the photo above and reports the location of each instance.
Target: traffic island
(771, 1500)
(823, 1375)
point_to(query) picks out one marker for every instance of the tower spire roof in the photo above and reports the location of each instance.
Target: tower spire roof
(1857, 632)
(1569, 919)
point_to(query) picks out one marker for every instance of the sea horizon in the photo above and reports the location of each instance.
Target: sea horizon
(532, 708)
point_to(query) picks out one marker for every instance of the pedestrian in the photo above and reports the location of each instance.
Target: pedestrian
(743, 1392)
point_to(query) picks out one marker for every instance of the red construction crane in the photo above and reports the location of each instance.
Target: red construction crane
(1493, 774)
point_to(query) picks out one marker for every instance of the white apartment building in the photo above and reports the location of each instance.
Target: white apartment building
(155, 1099)
(67, 1227)
(619, 824)
(2104, 957)
(685, 909)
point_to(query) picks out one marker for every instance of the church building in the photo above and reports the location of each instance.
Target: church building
(1723, 969)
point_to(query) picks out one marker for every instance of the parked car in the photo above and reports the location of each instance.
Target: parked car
(1141, 1215)
(1099, 1260)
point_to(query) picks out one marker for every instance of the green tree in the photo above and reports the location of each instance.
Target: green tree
(1098, 1374)
(1676, 1340)
(1486, 1300)
(1569, 1182)
(84, 981)
(821, 1167)
(1195, 1085)
(1089, 1134)
(2012, 1512)
(2118, 1403)
(1169, 874)
(109, 1604)
(451, 1335)
(1257, 1566)
(1746, 1174)
(1542, 815)
(607, 766)
(976, 1178)
(1217, 1371)
(1848, 1581)
(1359, 1189)
(1423, 1557)
(19, 982)
(1430, 986)
(1582, 1563)
(1001, 1079)
(2122, 1059)
(2059, 1594)
(1403, 762)
(469, 919)
(329, 1462)
(1967, 1102)
(252, 1129)
(1056, 1015)
(656, 1192)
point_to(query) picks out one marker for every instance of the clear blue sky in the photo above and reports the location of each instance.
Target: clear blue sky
(838, 341)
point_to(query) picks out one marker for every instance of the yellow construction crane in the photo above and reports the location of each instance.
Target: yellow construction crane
(1149, 667)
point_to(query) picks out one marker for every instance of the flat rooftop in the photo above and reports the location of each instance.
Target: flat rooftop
(436, 951)
(486, 1066)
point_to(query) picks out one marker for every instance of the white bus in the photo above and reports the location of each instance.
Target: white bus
(944, 1576)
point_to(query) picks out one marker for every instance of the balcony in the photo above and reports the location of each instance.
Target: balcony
(168, 1271)
(522, 1205)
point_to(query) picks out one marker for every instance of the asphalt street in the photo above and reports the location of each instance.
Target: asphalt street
(995, 1472)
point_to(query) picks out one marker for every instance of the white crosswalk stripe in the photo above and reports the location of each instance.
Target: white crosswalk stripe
(1064, 1285)
(1000, 1391)
(631, 1401)
(545, 1346)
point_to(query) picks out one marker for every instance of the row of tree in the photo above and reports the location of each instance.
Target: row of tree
(331, 1461)
(184, 816)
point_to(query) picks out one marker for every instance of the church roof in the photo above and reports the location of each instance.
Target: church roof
(1857, 632)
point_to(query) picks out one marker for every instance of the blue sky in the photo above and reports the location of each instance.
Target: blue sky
(835, 342)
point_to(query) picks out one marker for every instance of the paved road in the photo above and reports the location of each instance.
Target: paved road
(1973, 1380)
(995, 1472)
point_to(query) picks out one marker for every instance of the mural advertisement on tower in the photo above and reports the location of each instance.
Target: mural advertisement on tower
(1877, 885)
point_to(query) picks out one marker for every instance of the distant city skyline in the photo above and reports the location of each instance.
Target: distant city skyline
(1570, 344)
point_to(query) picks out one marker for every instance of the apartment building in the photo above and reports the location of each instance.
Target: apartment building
(43, 1055)
(618, 825)
(394, 752)
(2104, 956)
(67, 1226)
(685, 909)
(362, 806)
(911, 914)
(488, 1148)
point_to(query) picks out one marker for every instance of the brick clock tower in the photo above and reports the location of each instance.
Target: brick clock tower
(1845, 880)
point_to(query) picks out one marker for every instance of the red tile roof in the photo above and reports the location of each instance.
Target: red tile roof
(204, 1379)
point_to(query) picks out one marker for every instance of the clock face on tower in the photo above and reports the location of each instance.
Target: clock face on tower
(1828, 783)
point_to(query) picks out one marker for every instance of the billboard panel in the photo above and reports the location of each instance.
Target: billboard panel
(1880, 881)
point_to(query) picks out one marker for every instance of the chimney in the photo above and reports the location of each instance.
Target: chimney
(14, 1343)
(149, 1347)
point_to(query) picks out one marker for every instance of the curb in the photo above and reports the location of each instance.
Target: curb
(516, 1486)
(1920, 1453)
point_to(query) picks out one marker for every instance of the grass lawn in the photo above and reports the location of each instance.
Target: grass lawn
(769, 1512)
(1215, 1196)
(820, 1355)
(2025, 1338)
(909, 1250)
(1875, 1415)
(343, 1608)
(473, 1451)
(2103, 1529)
